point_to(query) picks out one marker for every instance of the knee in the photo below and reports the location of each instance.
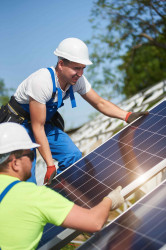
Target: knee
(78, 154)
(72, 157)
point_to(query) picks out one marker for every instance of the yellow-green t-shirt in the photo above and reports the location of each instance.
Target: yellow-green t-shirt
(25, 210)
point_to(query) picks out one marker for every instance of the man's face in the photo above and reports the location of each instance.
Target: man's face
(71, 72)
(26, 161)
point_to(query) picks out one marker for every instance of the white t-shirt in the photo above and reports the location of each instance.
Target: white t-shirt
(39, 86)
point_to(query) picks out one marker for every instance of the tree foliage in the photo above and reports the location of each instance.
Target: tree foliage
(127, 31)
(4, 93)
(142, 68)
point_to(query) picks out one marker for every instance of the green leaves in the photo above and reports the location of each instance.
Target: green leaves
(143, 68)
(3, 93)
(128, 44)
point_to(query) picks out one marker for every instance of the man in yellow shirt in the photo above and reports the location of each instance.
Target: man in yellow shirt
(26, 208)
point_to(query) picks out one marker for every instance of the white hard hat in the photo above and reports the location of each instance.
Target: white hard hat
(14, 137)
(74, 50)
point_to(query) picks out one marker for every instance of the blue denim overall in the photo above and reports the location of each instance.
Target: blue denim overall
(63, 150)
(7, 189)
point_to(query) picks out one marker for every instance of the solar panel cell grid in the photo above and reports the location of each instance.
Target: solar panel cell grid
(141, 227)
(119, 161)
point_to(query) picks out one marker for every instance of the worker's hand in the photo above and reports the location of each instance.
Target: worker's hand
(50, 174)
(130, 117)
(116, 198)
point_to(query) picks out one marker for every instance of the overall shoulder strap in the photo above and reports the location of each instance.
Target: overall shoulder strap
(72, 98)
(6, 190)
(55, 88)
(53, 81)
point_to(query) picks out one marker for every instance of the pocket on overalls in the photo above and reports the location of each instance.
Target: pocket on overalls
(57, 121)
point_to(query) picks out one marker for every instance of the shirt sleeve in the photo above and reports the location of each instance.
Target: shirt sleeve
(40, 86)
(53, 206)
(82, 86)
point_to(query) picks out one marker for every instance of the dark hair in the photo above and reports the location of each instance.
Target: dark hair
(66, 61)
(4, 165)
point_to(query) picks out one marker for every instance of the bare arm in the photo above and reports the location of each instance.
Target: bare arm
(92, 220)
(104, 106)
(38, 118)
(88, 220)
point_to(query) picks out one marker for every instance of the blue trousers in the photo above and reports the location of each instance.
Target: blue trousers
(63, 150)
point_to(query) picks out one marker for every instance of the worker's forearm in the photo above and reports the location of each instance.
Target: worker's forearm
(88, 220)
(111, 110)
(92, 220)
(100, 212)
(44, 149)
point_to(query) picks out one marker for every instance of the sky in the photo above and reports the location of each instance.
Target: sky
(30, 31)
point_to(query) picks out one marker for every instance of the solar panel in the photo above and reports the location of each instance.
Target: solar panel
(122, 159)
(142, 226)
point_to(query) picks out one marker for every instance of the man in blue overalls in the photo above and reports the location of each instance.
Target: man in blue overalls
(43, 92)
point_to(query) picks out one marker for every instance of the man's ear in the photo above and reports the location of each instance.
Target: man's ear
(60, 64)
(15, 164)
